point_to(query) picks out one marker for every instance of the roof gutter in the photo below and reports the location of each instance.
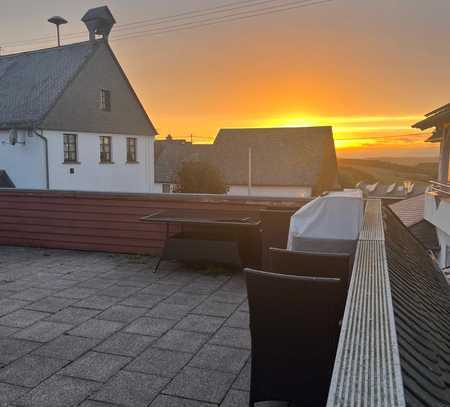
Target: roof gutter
(47, 173)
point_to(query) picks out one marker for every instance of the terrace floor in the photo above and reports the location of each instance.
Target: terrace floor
(99, 330)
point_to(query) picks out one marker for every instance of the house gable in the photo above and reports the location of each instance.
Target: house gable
(78, 108)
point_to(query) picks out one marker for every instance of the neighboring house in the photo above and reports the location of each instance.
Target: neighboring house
(70, 120)
(278, 162)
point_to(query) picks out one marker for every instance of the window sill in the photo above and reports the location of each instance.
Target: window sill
(71, 163)
(132, 162)
(106, 162)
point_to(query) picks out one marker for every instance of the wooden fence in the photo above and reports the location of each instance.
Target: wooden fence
(106, 222)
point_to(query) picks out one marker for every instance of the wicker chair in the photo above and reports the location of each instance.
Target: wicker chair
(294, 326)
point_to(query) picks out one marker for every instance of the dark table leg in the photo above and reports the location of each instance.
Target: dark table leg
(162, 254)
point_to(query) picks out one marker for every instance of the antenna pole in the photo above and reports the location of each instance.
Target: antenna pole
(57, 33)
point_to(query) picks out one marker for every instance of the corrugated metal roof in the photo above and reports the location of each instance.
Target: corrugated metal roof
(31, 82)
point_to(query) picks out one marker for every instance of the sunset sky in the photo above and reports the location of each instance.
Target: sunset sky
(368, 68)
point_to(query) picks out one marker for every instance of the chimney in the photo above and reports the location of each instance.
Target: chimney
(99, 21)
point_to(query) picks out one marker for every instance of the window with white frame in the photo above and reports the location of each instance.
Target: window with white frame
(131, 150)
(105, 149)
(70, 148)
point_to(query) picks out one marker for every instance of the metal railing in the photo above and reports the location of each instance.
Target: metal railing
(440, 188)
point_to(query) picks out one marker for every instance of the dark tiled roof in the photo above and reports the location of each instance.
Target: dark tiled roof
(421, 300)
(31, 82)
(5, 181)
(280, 156)
(426, 234)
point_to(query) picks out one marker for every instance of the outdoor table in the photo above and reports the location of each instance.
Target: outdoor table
(218, 236)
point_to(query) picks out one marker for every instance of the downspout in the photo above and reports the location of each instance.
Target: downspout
(47, 173)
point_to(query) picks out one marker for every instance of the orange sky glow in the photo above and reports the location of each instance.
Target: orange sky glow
(368, 68)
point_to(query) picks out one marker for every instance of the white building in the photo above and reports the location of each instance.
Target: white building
(272, 162)
(70, 120)
(437, 199)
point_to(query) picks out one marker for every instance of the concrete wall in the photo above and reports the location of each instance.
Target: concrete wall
(276, 192)
(91, 175)
(24, 163)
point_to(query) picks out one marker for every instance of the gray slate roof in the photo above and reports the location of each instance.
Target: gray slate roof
(421, 301)
(302, 156)
(31, 82)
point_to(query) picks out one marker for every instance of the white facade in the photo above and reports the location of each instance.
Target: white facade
(265, 191)
(437, 212)
(25, 163)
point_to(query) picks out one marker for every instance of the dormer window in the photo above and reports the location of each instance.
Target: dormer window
(105, 100)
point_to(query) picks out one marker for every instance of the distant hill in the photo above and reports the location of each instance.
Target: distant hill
(372, 170)
(409, 161)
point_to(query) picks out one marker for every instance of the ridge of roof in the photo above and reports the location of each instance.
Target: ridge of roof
(35, 51)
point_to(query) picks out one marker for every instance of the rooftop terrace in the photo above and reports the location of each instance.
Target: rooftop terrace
(97, 330)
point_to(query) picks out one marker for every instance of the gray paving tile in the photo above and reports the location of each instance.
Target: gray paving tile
(200, 323)
(160, 362)
(96, 328)
(12, 349)
(73, 315)
(169, 401)
(216, 309)
(9, 393)
(119, 291)
(93, 403)
(33, 294)
(150, 326)
(96, 366)
(58, 391)
(160, 289)
(243, 380)
(228, 297)
(144, 301)
(50, 304)
(224, 359)
(234, 337)
(125, 344)
(169, 311)
(182, 341)
(131, 389)
(188, 299)
(30, 370)
(100, 302)
(67, 347)
(121, 313)
(6, 331)
(236, 398)
(239, 320)
(43, 331)
(201, 385)
(98, 283)
(8, 305)
(22, 318)
(77, 293)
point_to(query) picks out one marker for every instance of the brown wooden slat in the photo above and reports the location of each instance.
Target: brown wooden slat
(104, 221)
